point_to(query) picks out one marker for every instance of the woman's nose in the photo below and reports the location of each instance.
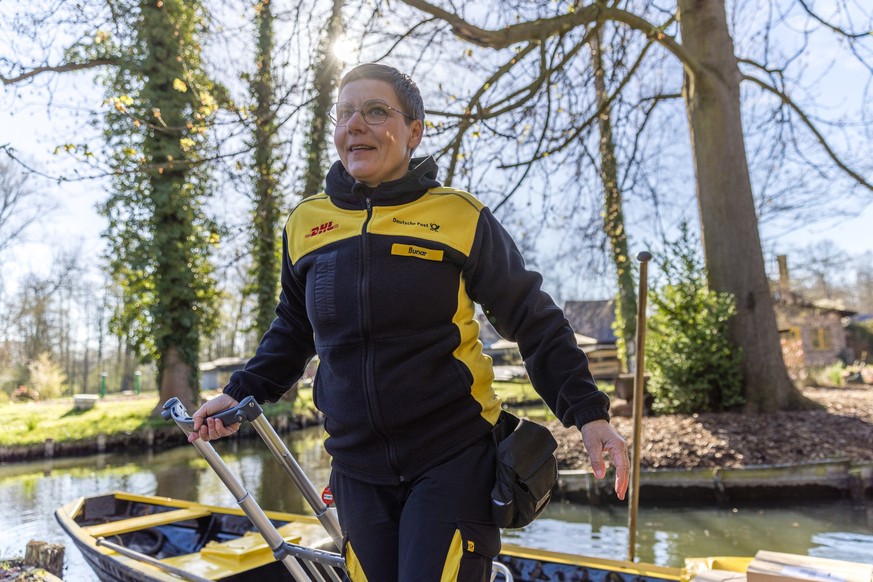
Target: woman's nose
(356, 121)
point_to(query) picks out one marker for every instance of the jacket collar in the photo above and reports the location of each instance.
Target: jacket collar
(345, 191)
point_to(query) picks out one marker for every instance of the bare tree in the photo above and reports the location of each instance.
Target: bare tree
(21, 206)
(712, 93)
(613, 215)
(59, 37)
(41, 309)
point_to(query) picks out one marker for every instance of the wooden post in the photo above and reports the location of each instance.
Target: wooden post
(633, 501)
(49, 557)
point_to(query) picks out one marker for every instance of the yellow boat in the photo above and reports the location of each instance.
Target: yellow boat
(126, 537)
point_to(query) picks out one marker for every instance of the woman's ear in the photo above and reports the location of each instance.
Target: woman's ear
(416, 132)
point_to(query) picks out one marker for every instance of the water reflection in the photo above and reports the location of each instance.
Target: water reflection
(30, 492)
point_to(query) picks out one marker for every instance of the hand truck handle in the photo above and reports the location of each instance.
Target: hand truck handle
(248, 409)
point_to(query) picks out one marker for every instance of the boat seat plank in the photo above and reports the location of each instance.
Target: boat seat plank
(123, 526)
(221, 559)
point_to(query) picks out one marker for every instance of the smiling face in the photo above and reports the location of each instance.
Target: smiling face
(373, 154)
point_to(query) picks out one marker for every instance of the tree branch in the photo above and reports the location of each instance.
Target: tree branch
(832, 27)
(57, 69)
(543, 28)
(811, 126)
(580, 127)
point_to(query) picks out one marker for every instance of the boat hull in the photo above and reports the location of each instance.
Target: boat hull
(216, 543)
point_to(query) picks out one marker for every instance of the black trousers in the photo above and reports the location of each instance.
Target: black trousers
(436, 528)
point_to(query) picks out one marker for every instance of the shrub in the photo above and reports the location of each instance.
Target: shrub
(46, 377)
(694, 366)
(24, 394)
(861, 340)
(832, 375)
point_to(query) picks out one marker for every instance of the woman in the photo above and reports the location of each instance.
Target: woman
(379, 278)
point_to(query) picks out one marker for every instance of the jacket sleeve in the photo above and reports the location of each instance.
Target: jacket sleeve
(517, 306)
(284, 350)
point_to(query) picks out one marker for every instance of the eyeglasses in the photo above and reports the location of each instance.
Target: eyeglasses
(374, 112)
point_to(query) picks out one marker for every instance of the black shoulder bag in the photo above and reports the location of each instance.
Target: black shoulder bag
(527, 470)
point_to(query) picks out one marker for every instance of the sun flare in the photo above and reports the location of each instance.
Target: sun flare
(344, 49)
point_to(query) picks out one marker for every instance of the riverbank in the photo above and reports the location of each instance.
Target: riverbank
(706, 457)
(842, 430)
(723, 457)
(143, 433)
(16, 571)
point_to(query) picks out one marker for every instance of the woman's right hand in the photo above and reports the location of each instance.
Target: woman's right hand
(208, 428)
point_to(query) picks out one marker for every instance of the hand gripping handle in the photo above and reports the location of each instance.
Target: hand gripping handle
(248, 409)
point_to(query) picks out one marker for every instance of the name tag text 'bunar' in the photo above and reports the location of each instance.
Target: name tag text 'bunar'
(418, 252)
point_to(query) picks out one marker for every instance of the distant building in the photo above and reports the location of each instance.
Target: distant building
(505, 356)
(595, 319)
(818, 327)
(487, 334)
(215, 374)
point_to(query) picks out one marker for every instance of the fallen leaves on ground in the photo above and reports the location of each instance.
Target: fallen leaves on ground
(844, 430)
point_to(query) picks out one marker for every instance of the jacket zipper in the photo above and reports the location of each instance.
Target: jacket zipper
(370, 388)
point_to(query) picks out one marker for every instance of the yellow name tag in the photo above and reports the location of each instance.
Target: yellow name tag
(417, 252)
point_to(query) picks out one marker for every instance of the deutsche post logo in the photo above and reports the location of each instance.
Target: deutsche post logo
(322, 228)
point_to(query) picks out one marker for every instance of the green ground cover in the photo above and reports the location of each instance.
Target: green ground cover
(32, 423)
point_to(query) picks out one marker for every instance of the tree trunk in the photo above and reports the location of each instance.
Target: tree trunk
(173, 197)
(613, 218)
(175, 381)
(731, 243)
(326, 78)
(266, 243)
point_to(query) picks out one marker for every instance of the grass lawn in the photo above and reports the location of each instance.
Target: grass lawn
(516, 392)
(33, 422)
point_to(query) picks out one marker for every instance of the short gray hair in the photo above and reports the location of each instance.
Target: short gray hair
(405, 88)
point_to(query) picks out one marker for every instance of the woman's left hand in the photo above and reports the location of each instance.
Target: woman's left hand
(601, 439)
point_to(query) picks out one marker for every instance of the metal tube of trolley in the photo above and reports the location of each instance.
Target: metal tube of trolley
(125, 551)
(639, 381)
(295, 472)
(175, 410)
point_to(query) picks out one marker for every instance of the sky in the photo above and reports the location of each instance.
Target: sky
(34, 133)
(35, 130)
(36, 119)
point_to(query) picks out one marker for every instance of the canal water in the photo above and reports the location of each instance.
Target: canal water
(30, 493)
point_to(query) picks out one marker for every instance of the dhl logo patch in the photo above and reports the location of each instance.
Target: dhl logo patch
(322, 228)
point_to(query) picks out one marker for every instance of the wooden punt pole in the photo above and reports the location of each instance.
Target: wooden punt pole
(639, 378)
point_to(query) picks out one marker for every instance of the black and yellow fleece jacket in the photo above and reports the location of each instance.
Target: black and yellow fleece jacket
(381, 284)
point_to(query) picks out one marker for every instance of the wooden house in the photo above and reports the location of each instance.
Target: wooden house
(817, 328)
(506, 358)
(215, 374)
(595, 319)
